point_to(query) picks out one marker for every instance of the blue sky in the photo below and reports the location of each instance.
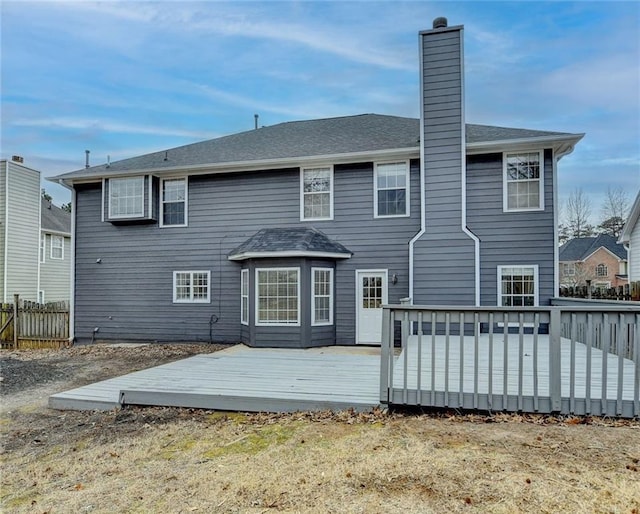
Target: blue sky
(127, 78)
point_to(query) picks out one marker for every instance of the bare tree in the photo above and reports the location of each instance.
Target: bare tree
(614, 212)
(575, 213)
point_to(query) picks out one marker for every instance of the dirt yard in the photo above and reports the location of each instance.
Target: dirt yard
(182, 460)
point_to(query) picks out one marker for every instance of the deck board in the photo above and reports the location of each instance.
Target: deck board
(244, 379)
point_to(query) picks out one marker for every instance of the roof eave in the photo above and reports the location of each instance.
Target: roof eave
(242, 166)
(243, 256)
(562, 144)
(625, 236)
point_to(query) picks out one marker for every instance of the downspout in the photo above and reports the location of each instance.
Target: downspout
(72, 261)
(463, 158)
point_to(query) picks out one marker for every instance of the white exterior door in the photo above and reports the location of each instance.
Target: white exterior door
(371, 294)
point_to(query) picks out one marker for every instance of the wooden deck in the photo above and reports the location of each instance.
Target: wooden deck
(244, 379)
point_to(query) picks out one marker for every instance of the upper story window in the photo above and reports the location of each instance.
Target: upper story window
(173, 203)
(569, 269)
(523, 181)
(518, 286)
(191, 286)
(57, 247)
(126, 197)
(391, 189)
(602, 271)
(317, 193)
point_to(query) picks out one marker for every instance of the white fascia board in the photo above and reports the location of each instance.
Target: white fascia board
(562, 144)
(625, 236)
(289, 253)
(55, 232)
(257, 165)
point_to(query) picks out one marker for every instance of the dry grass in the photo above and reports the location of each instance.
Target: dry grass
(178, 460)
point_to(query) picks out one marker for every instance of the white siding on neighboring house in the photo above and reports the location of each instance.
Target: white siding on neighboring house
(634, 254)
(20, 231)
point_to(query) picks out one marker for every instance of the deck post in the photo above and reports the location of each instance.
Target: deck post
(555, 379)
(385, 355)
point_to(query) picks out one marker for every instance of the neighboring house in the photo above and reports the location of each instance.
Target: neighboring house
(630, 237)
(55, 253)
(35, 252)
(601, 259)
(298, 233)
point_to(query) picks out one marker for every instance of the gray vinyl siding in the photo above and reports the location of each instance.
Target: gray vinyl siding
(3, 222)
(22, 232)
(55, 274)
(509, 238)
(444, 256)
(634, 254)
(128, 295)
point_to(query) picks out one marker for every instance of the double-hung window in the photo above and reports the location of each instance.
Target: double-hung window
(57, 247)
(191, 286)
(391, 189)
(518, 286)
(602, 270)
(523, 181)
(126, 197)
(173, 203)
(278, 296)
(568, 269)
(317, 193)
(322, 296)
(244, 297)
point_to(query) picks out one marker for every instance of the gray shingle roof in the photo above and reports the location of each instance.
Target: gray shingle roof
(343, 135)
(54, 219)
(580, 248)
(296, 240)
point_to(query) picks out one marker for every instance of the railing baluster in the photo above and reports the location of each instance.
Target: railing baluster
(621, 353)
(433, 357)
(490, 384)
(572, 365)
(405, 364)
(505, 355)
(606, 334)
(536, 330)
(636, 359)
(520, 358)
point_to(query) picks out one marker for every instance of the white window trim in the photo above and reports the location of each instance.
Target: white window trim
(258, 323)
(191, 300)
(43, 248)
(302, 193)
(315, 323)
(407, 194)
(536, 281)
(56, 238)
(244, 278)
(505, 196)
(186, 201)
(126, 216)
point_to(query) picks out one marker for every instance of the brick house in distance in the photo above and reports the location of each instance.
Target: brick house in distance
(601, 259)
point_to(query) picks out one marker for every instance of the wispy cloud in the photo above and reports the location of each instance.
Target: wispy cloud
(110, 126)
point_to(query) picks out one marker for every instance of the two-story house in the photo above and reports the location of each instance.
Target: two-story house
(600, 260)
(35, 238)
(297, 234)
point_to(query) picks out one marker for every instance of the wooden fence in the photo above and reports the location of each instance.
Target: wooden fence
(628, 292)
(26, 324)
(569, 360)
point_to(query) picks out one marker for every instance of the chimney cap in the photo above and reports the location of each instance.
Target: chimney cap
(17, 158)
(440, 23)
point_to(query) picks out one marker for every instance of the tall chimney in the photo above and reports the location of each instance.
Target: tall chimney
(255, 120)
(86, 163)
(445, 239)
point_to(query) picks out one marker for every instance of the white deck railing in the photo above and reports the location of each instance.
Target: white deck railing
(570, 360)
